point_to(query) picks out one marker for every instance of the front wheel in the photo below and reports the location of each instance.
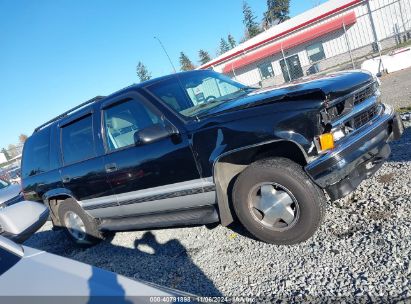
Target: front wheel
(277, 202)
(79, 226)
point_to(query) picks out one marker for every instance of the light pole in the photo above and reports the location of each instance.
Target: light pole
(164, 49)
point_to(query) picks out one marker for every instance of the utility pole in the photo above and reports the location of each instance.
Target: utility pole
(164, 49)
(374, 32)
(348, 45)
(285, 62)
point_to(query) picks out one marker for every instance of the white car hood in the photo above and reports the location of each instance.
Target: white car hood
(9, 192)
(42, 274)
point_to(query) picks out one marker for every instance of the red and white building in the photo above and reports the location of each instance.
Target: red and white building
(327, 37)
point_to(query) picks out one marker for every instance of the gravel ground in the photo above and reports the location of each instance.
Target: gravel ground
(396, 88)
(360, 254)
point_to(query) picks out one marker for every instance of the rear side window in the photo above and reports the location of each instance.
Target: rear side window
(36, 155)
(78, 140)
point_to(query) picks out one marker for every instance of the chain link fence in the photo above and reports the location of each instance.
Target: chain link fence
(11, 155)
(384, 26)
(378, 27)
(10, 162)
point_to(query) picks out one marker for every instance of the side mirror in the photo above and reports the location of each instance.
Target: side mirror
(152, 134)
(20, 221)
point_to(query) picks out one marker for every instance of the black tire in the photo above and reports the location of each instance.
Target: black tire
(92, 235)
(288, 175)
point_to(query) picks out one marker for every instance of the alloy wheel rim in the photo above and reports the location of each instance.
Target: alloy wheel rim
(273, 206)
(75, 225)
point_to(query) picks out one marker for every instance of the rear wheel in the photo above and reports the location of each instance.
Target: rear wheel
(79, 226)
(277, 202)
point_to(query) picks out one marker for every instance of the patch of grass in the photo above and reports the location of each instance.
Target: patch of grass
(386, 178)
(398, 46)
(404, 109)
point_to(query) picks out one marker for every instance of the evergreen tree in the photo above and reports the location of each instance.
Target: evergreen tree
(142, 72)
(251, 26)
(185, 63)
(277, 12)
(231, 41)
(204, 56)
(224, 46)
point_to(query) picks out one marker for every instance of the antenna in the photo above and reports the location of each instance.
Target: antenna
(164, 49)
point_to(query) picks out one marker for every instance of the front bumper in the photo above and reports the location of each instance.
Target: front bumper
(358, 156)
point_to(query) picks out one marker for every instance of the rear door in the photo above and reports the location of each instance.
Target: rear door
(154, 177)
(83, 171)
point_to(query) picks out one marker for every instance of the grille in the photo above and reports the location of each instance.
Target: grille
(363, 95)
(365, 117)
(345, 106)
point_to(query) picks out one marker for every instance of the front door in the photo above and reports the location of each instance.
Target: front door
(147, 178)
(293, 68)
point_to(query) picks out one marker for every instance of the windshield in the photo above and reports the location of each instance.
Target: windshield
(3, 184)
(194, 93)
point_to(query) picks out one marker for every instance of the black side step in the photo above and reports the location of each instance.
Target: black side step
(198, 216)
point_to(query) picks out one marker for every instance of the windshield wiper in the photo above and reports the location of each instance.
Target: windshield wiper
(248, 88)
(198, 108)
(203, 105)
(242, 90)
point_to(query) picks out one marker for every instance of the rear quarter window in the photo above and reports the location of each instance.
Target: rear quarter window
(36, 154)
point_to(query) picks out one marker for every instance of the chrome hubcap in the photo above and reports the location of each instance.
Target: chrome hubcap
(274, 206)
(75, 225)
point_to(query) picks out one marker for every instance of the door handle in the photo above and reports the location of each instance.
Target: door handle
(66, 179)
(111, 167)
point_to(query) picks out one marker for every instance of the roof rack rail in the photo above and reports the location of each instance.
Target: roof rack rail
(97, 98)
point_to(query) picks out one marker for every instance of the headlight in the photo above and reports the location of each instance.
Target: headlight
(338, 134)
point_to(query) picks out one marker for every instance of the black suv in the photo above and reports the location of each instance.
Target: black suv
(198, 148)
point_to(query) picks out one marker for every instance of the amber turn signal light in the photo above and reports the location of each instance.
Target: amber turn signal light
(326, 141)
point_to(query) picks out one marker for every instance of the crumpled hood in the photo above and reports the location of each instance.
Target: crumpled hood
(9, 192)
(318, 87)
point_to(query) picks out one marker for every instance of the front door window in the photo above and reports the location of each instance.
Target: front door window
(123, 120)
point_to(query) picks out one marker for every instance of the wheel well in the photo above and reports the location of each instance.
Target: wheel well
(229, 166)
(53, 203)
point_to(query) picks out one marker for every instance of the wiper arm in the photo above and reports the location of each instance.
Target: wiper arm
(221, 100)
(203, 105)
(242, 90)
(200, 106)
(248, 88)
